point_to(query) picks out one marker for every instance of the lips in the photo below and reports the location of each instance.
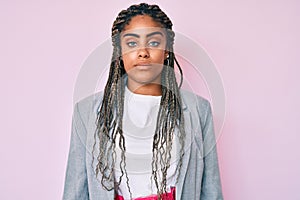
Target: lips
(143, 66)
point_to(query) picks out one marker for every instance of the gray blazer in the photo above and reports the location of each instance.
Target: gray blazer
(199, 175)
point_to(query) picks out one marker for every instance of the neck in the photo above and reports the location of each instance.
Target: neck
(152, 89)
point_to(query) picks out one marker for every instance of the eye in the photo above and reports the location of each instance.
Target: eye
(131, 44)
(154, 44)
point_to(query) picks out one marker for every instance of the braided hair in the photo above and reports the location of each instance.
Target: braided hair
(110, 117)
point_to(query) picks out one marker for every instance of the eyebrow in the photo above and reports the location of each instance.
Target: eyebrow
(148, 35)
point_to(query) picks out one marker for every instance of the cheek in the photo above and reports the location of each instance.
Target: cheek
(128, 60)
(158, 56)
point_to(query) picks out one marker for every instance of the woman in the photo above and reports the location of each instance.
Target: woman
(142, 112)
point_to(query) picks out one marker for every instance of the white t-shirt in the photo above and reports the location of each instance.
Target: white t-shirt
(139, 123)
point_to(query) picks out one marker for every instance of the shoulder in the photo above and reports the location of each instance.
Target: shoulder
(198, 107)
(89, 105)
(192, 100)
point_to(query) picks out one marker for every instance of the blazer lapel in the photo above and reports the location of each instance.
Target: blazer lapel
(187, 150)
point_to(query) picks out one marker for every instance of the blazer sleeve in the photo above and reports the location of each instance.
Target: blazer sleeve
(211, 184)
(76, 186)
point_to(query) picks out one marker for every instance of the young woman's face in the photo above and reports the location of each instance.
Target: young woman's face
(143, 44)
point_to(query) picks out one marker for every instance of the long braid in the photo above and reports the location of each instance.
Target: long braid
(110, 117)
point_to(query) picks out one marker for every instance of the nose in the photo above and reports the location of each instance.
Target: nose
(143, 53)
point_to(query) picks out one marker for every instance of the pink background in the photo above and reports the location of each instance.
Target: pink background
(255, 47)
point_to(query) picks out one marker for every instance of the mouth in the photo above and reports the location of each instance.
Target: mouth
(143, 66)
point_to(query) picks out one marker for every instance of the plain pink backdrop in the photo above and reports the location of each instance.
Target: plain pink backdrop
(255, 47)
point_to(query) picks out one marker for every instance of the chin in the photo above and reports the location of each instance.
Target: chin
(145, 80)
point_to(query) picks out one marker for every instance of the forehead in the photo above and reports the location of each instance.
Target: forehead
(142, 24)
